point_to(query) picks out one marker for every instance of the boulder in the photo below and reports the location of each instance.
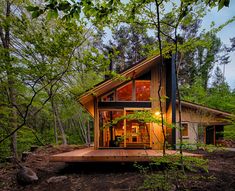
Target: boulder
(26, 176)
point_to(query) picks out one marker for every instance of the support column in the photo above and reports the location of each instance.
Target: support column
(173, 99)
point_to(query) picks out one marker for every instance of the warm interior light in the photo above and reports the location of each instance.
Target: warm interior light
(157, 113)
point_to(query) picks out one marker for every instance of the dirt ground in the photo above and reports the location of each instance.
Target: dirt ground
(107, 176)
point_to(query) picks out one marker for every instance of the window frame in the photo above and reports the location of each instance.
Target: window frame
(113, 91)
(185, 136)
(121, 86)
(133, 93)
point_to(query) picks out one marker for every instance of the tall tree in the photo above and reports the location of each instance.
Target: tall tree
(8, 65)
(207, 58)
(131, 43)
(39, 56)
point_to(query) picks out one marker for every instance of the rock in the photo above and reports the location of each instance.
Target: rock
(33, 148)
(57, 179)
(26, 176)
(24, 156)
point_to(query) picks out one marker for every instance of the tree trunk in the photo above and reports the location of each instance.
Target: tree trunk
(5, 37)
(58, 121)
(55, 129)
(13, 118)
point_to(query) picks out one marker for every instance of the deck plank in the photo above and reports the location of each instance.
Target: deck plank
(112, 155)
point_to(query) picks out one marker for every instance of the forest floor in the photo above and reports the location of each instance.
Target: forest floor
(55, 176)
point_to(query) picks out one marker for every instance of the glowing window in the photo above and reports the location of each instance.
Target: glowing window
(108, 97)
(185, 130)
(142, 90)
(124, 93)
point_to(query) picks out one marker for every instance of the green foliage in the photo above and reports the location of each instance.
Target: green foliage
(229, 130)
(129, 44)
(4, 147)
(48, 56)
(219, 96)
(64, 57)
(145, 116)
(195, 93)
(165, 173)
(96, 11)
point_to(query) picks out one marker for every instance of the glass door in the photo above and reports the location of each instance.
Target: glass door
(137, 133)
(111, 133)
(123, 133)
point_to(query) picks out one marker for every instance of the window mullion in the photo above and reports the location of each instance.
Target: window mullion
(133, 91)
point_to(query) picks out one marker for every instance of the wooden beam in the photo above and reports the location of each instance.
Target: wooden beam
(122, 105)
(173, 100)
(124, 124)
(96, 124)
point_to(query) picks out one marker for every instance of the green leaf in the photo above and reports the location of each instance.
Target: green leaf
(35, 14)
(52, 14)
(223, 3)
(32, 8)
(64, 6)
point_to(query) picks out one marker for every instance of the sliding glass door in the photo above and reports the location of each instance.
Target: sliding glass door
(122, 133)
(137, 133)
(111, 132)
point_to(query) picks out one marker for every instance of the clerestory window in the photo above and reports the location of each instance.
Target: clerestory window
(136, 90)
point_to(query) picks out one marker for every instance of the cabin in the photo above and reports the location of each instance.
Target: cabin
(202, 124)
(137, 89)
(118, 138)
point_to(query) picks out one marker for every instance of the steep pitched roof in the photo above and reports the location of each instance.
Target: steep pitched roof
(135, 70)
(108, 85)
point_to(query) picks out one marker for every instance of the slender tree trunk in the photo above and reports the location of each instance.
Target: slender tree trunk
(160, 75)
(5, 37)
(178, 96)
(55, 129)
(58, 121)
(13, 117)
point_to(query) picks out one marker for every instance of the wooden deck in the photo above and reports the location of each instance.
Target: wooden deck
(112, 155)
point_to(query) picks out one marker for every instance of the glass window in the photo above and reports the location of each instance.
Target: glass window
(124, 93)
(185, 130)
(111, 135)
(137, 133)
(108, 97)
(142, 90)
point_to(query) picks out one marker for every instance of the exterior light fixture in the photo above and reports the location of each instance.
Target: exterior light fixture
(157, 113)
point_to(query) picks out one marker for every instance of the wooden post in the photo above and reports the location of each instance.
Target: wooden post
(124, 123)
(151, 135)
(173, 100)
(204, 133)
(96, 124)
(214, 141)
(133, 91)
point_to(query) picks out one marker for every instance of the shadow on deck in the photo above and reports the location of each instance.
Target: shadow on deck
(112, 155)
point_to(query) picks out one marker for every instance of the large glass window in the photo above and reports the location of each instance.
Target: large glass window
(111, 135)
(124, 93)
(142, 90)
(124, 133)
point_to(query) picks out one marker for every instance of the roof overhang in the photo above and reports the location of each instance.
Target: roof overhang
(195, 106)
(108, 85)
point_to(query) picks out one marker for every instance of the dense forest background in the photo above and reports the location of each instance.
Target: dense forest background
(49, 57)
